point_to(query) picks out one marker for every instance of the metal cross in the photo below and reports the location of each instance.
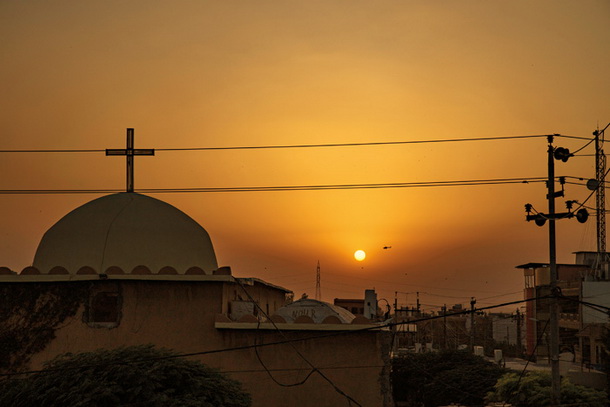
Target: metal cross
(129, 152)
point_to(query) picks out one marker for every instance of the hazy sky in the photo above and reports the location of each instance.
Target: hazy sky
(75, 75)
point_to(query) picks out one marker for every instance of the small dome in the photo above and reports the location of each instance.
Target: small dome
(316, 310)
(126, 230)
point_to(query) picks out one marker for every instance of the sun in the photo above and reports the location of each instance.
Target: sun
(359, 255)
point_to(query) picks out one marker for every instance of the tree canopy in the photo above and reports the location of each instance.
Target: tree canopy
(534, 390)
(135, 376)
(441, 378)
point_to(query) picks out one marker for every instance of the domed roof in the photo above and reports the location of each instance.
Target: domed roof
(318, 311)
(126, 230)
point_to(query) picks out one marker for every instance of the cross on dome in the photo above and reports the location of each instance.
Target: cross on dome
(129, 153)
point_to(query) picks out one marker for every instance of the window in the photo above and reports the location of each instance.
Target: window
(104, 308)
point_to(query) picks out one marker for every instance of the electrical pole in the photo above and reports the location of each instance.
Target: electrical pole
(396, 304)
(472, 328)
(318, 288)
(445, 326)
(553, 306)
(563, 154)
(519, 333)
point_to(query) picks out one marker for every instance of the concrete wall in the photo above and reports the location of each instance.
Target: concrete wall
(596, 380)
(181, 315)
(176, 315)
(353, 362)
(269, 299)
(595, 292)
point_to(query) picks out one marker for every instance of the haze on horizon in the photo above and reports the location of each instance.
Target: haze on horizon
(213, 74)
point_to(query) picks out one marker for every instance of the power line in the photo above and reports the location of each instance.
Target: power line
(286, 146)
(596, 307)
(599, 184)
(296, 369)
(55, 151)
(369, 143)
(282, 188)
(583, 147)
(580, 184)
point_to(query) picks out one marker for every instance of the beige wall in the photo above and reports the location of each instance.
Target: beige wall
(181, 316)
(354, 362)
(169, 314)
(269, 299)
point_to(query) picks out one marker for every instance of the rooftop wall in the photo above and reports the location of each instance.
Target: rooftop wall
(46, 318)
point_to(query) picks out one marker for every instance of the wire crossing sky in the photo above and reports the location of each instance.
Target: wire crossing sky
(291, 188)
(371, 143)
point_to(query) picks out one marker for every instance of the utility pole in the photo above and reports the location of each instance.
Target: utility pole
(563, 154)
(519, 317)
(318, 288)
(553, 307)
(445, 326)
(472, 326)
(395, 303)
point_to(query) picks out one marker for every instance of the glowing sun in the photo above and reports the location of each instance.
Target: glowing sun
(359, 255)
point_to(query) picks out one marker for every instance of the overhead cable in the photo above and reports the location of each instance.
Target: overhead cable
(285, 146)
(279, 188)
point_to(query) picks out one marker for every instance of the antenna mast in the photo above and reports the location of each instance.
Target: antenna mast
(600, 201)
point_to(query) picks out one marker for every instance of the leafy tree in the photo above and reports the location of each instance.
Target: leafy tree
(135, 376)
(534, 390)
(441, 378)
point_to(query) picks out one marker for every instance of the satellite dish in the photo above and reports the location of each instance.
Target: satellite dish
(592, 184)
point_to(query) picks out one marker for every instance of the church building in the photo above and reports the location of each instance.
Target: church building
(128, 269)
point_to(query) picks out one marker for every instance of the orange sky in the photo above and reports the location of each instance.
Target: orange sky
(199, 73)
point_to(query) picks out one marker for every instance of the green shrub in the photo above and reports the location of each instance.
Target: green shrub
(130, 376)
(441, 378)
(534, 390)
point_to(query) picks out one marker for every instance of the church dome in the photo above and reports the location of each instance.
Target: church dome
(126, 230)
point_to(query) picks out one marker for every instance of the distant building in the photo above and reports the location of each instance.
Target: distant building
(448, 332)
(367, 307)
(508, 329)
(355, 306)
(581, 327)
